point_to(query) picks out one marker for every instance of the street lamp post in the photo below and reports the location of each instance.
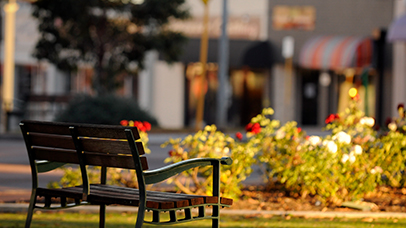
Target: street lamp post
(204, 43)
(8, 77)
(221, 115)
(287, 53)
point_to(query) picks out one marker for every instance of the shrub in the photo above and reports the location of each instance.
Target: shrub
(390, 159)
(210, 143)
(106, 109)
(390, 150)
(335, 167)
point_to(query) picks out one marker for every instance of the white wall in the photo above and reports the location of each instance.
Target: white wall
(283, 102)
(399, 66)
(145, 80)
(56, 81)
(168, 94)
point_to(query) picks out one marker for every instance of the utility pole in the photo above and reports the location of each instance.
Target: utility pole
(8, 76)
(221, 110)
(204, 43)
(287, 53)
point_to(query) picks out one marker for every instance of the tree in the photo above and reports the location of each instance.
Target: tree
(111, 35)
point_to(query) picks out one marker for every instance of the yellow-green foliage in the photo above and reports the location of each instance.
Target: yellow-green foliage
(210, 143)
(349, 161)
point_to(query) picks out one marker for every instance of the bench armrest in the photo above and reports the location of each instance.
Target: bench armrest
(45, 166)
(160, 174)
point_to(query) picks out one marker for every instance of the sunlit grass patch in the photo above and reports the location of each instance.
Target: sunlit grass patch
(123, 220)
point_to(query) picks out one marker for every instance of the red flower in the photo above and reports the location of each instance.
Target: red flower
(299, 130)
(139, 125)
(238, 135)
(124, 123)
(331, 118)
(249, 126)
(172, 153)
(147, 125)
(142, 126)
(253, 128)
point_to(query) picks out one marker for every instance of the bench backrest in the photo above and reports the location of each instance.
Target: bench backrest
(98, 145)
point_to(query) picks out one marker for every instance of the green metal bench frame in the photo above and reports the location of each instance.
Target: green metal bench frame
(51, 145)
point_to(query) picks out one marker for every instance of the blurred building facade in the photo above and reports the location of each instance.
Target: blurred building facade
(306, 88)
(40, 89)
(338, 45)
(250, 60)
(165, 90)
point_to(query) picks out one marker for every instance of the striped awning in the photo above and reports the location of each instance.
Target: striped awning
(336, 52)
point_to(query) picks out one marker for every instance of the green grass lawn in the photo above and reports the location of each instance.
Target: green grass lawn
(116, 220)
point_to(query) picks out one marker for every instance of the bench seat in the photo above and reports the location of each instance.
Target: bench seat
(107, 194)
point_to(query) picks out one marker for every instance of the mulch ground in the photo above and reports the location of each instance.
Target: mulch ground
(257, 198)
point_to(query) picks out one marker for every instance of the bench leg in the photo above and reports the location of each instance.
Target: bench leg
(215, 223)
(216, 192)
(102, 216)
(140, 218)
(33, 200)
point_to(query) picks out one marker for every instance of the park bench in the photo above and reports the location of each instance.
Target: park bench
(52, 144)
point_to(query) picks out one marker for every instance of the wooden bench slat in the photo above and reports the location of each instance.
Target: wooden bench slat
(55, 141)
(167, 202)
(47, 127)
(70, 156)
(129, 196)
(226, 201)
(163, 203)
(109, 146)
(55, 154)
(58, 193)
(113, 160)
(87, 130)
(171, 195)
(91, 145)
(101, 197)
(105, 131)
(140, 148)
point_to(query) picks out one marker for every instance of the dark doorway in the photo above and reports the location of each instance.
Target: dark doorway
(309, 97)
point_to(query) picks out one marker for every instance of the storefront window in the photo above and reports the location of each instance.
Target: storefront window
(195, 85)
(245, 90)
(247, 95)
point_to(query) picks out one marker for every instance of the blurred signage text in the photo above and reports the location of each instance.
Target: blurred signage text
(242, 27)
(293, 17)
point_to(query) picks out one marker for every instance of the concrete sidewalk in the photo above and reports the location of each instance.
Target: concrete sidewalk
(22, 208)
